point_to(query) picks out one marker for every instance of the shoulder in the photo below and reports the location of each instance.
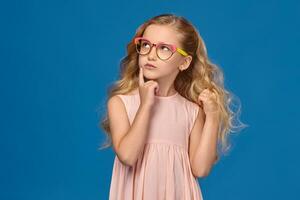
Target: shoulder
(194, 110)
(115, 102)
(190, 104)
(118, 97)
(123, 100)
(132, 92)
(129, 94)
(117, 106)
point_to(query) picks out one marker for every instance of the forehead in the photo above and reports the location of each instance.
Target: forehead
(161, 33)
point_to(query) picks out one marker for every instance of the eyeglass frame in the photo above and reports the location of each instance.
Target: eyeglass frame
(174, 48)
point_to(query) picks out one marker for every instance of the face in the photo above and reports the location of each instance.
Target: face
(163, 68)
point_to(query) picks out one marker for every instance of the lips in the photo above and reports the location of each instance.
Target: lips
(150, 66)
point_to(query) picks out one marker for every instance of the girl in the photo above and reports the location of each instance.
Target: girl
(166, 114)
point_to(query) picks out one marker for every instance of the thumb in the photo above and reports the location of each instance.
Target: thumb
(200, 99)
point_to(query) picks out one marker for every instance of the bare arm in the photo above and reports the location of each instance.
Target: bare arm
(203, 143)
(128, 141)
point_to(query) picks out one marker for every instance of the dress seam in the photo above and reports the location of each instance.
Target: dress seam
(167, 143)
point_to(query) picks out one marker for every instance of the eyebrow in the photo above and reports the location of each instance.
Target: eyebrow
(159, 42)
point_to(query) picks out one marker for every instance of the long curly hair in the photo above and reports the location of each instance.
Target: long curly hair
(189, 83)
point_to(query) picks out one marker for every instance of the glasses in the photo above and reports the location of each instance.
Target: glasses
(163, 51)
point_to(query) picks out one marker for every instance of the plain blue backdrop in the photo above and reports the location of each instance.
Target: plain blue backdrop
(57, 59)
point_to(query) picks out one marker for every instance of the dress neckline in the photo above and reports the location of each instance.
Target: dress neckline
(166, 97)
(160, 97)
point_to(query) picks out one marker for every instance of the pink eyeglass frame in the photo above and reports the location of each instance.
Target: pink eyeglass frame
(174, 48)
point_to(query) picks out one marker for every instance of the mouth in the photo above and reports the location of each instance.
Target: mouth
(150, 66)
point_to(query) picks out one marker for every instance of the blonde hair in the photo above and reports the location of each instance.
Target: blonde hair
(189, 83)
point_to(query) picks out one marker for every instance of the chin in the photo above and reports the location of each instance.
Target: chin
(149, 75)
(148, 78)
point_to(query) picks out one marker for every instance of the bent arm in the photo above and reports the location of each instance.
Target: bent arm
(128, 141)
(203, 143)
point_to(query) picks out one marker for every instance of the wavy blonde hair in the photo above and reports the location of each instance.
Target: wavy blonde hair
(189, 83)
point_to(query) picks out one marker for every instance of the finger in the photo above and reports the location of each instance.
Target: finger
(202, 98)
(214, 96)
(204, 95)
(148, 83)
(141, 77)
(157, 88)
(209, 93)
(200, 102)
(154, 86)
(206, 91)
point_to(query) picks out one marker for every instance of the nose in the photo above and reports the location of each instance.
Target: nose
(152, 54)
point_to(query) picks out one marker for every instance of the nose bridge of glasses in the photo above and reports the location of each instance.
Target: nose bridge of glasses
(151, 49)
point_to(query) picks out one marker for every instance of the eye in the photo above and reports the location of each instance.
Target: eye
(165, 48)
(145, 44)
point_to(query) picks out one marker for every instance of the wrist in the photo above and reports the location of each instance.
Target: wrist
(146, 107)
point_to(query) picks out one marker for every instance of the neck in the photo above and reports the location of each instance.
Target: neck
(165, 88)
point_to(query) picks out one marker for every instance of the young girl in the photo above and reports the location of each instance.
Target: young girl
(166, 114)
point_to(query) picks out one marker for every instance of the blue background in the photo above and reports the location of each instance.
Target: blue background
(57, 59)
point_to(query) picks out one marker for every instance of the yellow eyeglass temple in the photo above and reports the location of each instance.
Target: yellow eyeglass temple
(181, 51)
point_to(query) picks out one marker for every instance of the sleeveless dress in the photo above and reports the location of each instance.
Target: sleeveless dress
(162, 171)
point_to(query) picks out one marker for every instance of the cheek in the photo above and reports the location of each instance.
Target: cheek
(173, 63)
(142, 60)
(168, 65)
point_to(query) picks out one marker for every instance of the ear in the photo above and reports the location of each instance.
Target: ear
(186, 62)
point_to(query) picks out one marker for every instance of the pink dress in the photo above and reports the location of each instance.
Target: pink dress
(162, 171)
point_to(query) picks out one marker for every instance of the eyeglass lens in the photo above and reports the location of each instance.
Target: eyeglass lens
(163, 51)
